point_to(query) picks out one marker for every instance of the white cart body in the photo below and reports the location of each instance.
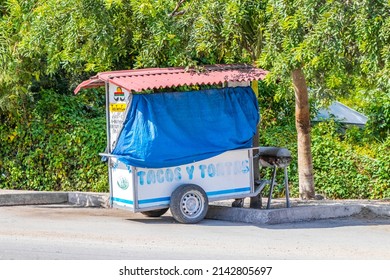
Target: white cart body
(228, 175)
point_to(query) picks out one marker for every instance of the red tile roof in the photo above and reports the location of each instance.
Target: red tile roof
(157, 78)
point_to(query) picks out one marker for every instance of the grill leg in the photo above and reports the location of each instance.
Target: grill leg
(286, 187)
(271, 189)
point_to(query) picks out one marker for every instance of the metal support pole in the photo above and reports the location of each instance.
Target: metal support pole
(108, 148)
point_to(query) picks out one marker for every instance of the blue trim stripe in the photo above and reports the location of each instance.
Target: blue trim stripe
(151, 200)
(142, 201)
(122, 200)
(247, 189)
(167, 199)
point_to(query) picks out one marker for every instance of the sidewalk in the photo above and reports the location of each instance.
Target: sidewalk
(299, 211)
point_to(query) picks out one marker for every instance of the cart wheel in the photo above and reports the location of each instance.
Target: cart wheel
(189, 204)
(155, 213)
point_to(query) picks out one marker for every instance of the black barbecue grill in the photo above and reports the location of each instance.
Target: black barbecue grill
(275, 157)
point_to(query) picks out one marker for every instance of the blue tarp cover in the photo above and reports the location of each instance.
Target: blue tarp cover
(170, 129)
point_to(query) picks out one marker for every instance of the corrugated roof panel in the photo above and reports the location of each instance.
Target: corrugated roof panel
(91, 83)
(156, 78)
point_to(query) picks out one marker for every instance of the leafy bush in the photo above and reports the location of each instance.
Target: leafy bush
(346, 167)
(54, 145)
(379, 116)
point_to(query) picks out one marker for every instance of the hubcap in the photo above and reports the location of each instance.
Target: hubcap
(192, 204)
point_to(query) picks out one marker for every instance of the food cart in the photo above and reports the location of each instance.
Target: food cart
(180, 150)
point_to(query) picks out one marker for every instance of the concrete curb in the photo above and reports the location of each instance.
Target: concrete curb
(31, 198)
(281, 215)
(14, 198)
(89, 199)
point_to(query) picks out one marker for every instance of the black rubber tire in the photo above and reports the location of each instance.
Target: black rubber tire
(189, 204)
(155, 213)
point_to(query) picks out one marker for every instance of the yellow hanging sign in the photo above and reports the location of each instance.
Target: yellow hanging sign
(117, 107)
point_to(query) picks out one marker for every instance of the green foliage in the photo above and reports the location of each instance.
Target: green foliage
(375, 104)
(342, 46)
(226, 31)
(78, 35)
(157, 37)
(54, 145)
(197, 32)
(348, 168)
(275, 108)
(380, 120)
(46, 42)
(379, 116)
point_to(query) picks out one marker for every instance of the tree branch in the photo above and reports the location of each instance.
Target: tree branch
(176, 11)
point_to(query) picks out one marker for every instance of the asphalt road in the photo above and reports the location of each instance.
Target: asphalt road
(66, 232)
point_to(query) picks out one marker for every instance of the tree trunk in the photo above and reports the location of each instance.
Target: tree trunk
(302, 122)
